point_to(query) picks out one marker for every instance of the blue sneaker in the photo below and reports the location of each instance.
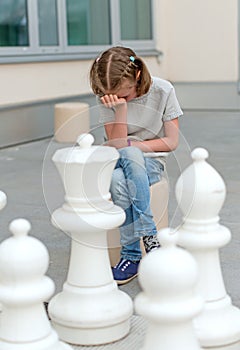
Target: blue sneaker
(125, 271)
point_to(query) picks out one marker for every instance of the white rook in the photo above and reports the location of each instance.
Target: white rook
(168, 301)
(23, 289)
(200, 192)
(90, 309)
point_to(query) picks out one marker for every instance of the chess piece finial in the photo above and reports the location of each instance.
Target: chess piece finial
(200, 190)
(85, 140)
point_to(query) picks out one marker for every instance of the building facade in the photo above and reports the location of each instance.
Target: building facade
(47, 47)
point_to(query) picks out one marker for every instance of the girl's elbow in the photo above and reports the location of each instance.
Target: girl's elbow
(173, 145)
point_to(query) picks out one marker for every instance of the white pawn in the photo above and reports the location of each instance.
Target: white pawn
(168, 276)
(200, 192)
(3, 200)
(23, 288)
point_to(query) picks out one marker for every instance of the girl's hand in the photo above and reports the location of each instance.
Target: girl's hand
(117, 129)
(117, 143)
(112, 101)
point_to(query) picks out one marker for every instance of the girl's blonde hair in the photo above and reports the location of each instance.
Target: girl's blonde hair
(113, 65)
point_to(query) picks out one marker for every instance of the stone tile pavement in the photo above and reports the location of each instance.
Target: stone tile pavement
(30, 181)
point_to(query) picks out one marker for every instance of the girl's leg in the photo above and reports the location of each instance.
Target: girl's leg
(138, 181)
(131, 254)
(154, 170)
(120, 196)
(130, 190)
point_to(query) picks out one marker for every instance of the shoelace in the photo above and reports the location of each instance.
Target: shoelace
(123, 264)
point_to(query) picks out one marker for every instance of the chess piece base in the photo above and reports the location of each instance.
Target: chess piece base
(218, 325)
(87, 336)
(51, 342)
(91, 316)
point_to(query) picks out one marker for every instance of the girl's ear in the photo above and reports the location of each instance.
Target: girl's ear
(138, 74)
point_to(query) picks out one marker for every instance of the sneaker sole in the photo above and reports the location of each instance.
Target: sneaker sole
(121, 282)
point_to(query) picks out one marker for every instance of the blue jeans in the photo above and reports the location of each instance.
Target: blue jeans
(130, 189)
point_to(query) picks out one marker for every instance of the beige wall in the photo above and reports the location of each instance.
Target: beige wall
(199, 40)
(40, 81)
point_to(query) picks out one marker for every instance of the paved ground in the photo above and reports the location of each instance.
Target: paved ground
(33, 188)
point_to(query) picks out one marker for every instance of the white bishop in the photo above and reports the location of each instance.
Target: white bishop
(200, 192)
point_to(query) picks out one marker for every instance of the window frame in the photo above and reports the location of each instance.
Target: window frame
(34, 52)
(238, 85)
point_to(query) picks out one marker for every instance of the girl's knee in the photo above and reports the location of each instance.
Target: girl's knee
(117, 179)
(131, 153)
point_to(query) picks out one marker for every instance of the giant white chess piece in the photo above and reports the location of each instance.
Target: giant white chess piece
(168, 301)
(200, 192)
(91, 309)
(23, 288)
(3, 200)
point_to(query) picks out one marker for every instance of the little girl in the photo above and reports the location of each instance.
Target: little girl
(140, 115)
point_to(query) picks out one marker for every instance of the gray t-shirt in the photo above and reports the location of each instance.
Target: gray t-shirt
(146, 114)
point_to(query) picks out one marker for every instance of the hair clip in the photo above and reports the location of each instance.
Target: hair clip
(132, 58)
(97, 59)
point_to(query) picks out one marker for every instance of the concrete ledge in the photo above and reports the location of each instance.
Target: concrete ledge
(208, 96)
(34, 120)
(30, 121)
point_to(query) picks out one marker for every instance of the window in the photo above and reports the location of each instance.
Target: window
(139, 27)
(62, 29)
(84, 27)
(47, 23)
(239, 46)
(13, 23)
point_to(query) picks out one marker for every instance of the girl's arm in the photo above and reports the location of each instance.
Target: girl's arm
(116, 131)
(167, 143)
